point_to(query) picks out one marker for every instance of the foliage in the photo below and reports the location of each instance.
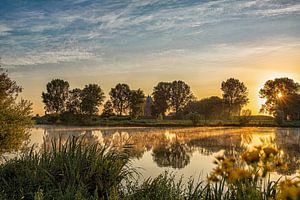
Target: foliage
(91, 96)
(120, 97)
(56, 96)
(74, 101)
(195, 118)
(161, 98)
(136, 103)
(245, 117)
(234, 95)
(180, 94)
(108, 110)
(209, 108)
(290, 106)
(273, 90)
(279, 117)
(66, 171)
(15, 117)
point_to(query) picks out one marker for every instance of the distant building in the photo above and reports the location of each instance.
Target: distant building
(148, 106)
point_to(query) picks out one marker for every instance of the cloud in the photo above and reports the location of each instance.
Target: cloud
(38, 34)
(49, 57)
(4, 30)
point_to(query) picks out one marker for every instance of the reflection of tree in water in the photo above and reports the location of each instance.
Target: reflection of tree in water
(175, 155)
(212, 144)
(289, 141)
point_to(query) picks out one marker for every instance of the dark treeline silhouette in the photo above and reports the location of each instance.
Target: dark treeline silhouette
(173, 100)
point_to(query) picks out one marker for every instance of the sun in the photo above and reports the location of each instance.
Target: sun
(279, 95)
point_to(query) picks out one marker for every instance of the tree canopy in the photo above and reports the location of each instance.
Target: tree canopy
(235, 95)
(92, 96)
(15, 116)
(180, 95)
(120, 96)
(161, 98)
(276, 91)
(56, 96)
(136, 103)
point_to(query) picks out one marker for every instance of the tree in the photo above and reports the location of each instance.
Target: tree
(74, 101)
(91, 96)
(161, 98)
(290, 106)
(120, 96)
(108, 109)
(208, 108)
(277, 89)
(15, 117)
(56, 96)
(234, 95)
(180, 95)
(136, 103)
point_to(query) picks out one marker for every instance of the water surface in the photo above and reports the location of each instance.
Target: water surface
(185, 151)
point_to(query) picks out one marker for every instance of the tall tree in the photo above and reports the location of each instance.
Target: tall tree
(108, 109)
(120, 96)
(15, 116)
(235, 95)
(275, 90)
(161, 98)
(56, 96)
(74, 101)
(136, 103)
(92, 96)
(180, 95)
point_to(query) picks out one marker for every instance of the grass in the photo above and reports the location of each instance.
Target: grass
(77, 170)
(254, 121)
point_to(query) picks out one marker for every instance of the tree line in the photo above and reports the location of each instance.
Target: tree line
(175, 98)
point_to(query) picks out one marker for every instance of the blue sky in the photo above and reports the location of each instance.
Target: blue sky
(143, 41)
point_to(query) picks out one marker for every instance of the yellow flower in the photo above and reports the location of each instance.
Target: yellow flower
(251, 157)
(289, 189)
(270, 151)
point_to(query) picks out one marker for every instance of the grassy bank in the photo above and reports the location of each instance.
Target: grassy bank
(253, 121)
(77, 170)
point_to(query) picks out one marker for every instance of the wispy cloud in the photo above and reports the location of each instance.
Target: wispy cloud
(85, 29)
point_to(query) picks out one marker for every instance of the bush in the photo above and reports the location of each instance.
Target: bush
(195, 118)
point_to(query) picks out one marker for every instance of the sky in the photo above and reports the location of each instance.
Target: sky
(142, 42)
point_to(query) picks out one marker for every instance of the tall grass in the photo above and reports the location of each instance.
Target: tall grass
(68, 171)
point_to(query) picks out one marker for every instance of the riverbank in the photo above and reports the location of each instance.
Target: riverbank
(253, 121)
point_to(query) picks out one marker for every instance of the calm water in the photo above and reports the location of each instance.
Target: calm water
(185, 151)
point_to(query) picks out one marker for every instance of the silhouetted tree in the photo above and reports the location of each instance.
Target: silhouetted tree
(136, 103)
(161, 98)
(91, 96)
(290, 106)
(120, 96)
(180, 95)
(56, 96)
(276, 89)
(108, 109)
(74, 101)
(234, 95)
(208, 108)
(15, 117)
